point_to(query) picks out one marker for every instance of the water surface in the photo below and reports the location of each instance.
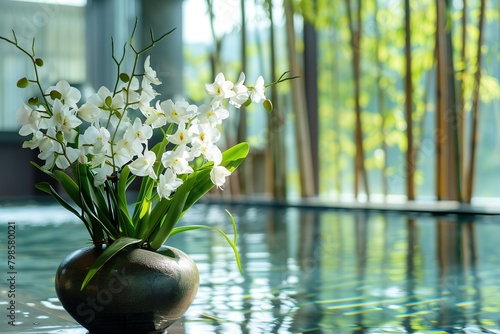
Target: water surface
(304, 271)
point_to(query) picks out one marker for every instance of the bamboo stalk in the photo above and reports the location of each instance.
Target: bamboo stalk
(475, 107)
(300, 109)
(381, 102)
(336, 117)
(419, 141)
(215, 56)
(275, 150)
(244, 171)
(453, 145)
(410, 161)
(461, 119)
(441, 103)
(360, 171)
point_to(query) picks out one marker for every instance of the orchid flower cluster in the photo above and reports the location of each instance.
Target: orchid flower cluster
(112, 140)
(95, 149)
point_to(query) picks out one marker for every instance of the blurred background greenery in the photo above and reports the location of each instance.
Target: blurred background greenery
(396, 101)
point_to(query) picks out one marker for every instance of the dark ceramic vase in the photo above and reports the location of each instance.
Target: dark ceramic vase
(136, 291)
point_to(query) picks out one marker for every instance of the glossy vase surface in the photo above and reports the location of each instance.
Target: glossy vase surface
(136, 291)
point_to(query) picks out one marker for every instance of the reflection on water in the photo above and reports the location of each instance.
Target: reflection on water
(305, 271)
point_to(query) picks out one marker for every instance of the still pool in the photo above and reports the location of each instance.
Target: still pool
(304, 271)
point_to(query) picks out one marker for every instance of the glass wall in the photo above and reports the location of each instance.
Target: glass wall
(59, 31)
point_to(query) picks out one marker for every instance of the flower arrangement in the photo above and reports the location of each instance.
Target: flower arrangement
(97, 148)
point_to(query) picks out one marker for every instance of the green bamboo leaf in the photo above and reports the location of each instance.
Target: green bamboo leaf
(108, 253)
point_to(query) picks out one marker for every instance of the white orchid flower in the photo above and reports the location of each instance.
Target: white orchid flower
(169, 182)
(155, 117)
(204, 133)
(97, 139)
(143, 165)
(177, 160)
(149, 73)
(220, 88)
(180, 111)
(218, 175)
(258, 92)
(29, 119)
(138, 134)
(209, 151)
(241, 93)
(65, 120)
(69, 95)
(213, 115)
(181, 135)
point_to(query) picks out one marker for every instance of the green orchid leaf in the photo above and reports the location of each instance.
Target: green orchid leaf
(101, 205)
(119, 199)
(235, 230)
(231, 243)
(69, 186)
(234, 156)
(123, 183)
(40, 168)
(47, 188)
(121, 220)
(145, 207)
(167, 218)
(88, 205)
(100, 212)
(108, 253)
(147, 183)
(167, 213)
(231, 159)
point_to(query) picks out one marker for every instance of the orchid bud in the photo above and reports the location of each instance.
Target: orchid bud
(108, 101)
(60, 136)
(55, 95)
(268, 105)
(124, 77)
(23, 82)
(83, 159)
(39, 62)
(34, 101)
